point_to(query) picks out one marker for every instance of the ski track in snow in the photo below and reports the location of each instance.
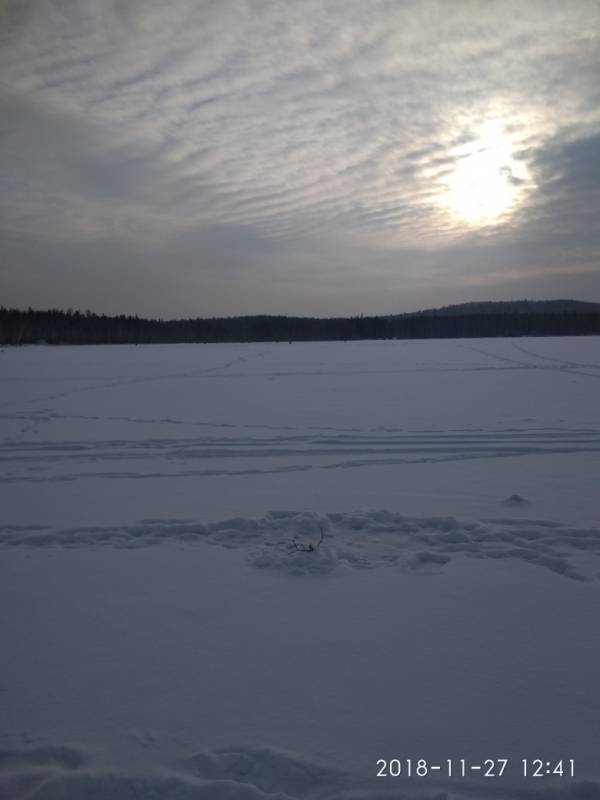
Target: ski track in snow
(38, 460)
(548, 362)
(122, 381)
(361, 540)
(230, 448)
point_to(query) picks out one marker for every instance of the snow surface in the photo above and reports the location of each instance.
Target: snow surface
(162, 638)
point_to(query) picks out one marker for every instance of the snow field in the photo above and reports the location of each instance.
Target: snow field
(162, 638)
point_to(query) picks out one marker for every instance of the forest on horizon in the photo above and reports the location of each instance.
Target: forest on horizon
(517, 318)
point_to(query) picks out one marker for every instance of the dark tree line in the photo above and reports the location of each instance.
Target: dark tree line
(74, 327)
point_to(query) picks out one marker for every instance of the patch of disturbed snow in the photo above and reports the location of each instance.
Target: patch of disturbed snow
(309, 543)
(60, 773)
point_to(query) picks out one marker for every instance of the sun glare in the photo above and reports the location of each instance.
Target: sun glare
(487, 182)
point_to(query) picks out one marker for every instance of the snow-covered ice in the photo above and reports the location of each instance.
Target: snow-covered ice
(162, 638)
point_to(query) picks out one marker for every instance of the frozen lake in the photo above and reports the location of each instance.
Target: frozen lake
(162, 638)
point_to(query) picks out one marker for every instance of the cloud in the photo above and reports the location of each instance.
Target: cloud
(244, 137)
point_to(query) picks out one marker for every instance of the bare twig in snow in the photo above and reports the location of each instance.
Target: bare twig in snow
(300, 547)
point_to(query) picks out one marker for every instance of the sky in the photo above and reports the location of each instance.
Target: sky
(314, 157)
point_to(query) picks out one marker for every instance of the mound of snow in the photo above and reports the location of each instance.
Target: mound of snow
(516, 500)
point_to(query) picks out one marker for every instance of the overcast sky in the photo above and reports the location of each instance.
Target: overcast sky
(308, 157)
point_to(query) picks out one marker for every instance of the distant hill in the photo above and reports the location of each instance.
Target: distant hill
(507, 307)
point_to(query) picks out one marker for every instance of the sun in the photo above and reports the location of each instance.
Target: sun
(487, 182)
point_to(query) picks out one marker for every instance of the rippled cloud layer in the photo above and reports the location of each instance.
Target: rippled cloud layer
(310, 157)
